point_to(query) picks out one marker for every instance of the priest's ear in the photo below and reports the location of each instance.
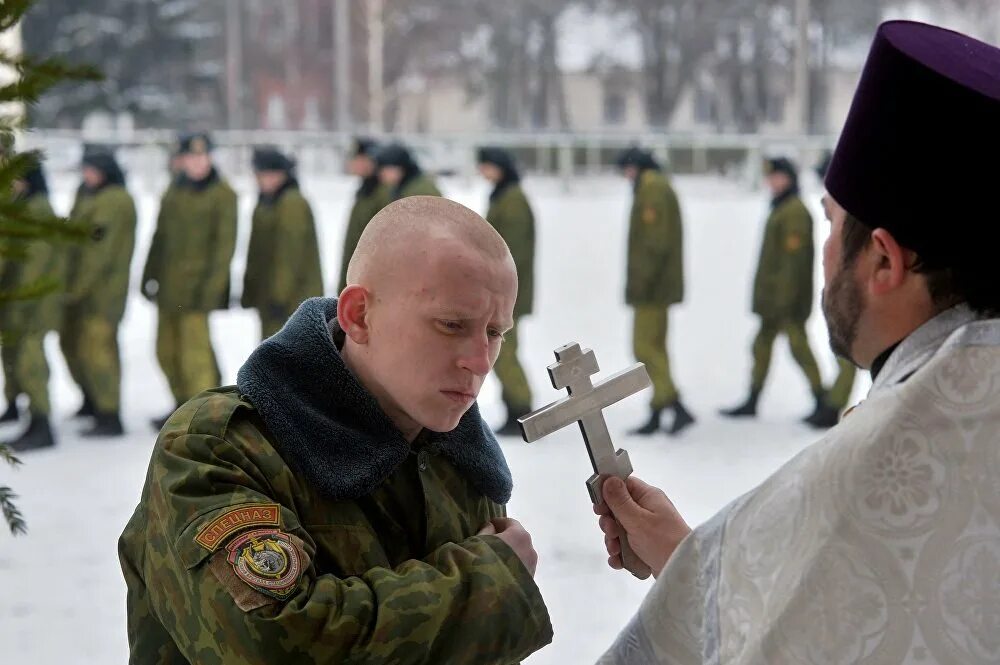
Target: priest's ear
(352, 313)
(890, 263)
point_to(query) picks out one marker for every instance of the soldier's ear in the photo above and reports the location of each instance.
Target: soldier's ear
(352, 313)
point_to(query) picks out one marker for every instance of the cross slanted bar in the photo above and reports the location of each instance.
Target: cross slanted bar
(585, 405)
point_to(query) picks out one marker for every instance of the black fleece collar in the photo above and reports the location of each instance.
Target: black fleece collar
(326, 425)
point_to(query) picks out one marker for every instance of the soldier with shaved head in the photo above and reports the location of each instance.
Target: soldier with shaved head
(344, 502)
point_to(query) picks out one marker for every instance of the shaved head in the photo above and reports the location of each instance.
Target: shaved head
(430, 293)
(413, 227)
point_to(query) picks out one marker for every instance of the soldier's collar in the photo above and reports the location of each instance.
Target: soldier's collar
(325, 424)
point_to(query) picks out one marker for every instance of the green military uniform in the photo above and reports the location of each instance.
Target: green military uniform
(840, 393)
(511, 216)
(283, 264)
(783, 289)
(189, 262)
(655, 277)
(282, 521)
(370, 198)
(97, 289)
(24, 323)
(420, 184)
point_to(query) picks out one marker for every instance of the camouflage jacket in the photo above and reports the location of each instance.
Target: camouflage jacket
(283, 265)
(419, 184)
(287, 521)
(783, 287)
(98, 271)
(511, 216)
(193, 245)
(655, 244)
(371, 198)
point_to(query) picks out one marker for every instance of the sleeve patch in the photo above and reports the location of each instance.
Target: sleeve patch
(267, 561)
(213, 534)
(649, 215)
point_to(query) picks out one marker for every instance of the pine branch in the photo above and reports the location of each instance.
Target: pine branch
(14, 518)
(8, 456)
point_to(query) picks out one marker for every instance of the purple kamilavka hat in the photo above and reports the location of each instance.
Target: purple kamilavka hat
(920, 151)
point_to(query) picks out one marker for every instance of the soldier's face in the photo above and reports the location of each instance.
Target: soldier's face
(631, 172)
(270, 181)
(361, 166)
(390, 175)
(491, 172)
(778, 182)
(435, 336)
(197, 165)
(92, 177)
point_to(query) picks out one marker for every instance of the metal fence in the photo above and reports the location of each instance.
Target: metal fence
(146, 152)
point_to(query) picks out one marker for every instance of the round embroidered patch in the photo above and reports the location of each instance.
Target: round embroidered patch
(267, 560)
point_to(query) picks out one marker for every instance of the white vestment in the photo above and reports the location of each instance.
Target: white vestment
(879, 544)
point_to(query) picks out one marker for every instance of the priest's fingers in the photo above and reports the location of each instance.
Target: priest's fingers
(609, 526)
(649, 518)
(601, 508)
(613, 545)
(615, 562)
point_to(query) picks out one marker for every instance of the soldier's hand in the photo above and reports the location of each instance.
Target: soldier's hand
(517, 538)
(649, 519)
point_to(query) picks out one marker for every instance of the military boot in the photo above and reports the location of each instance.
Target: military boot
(682, 419)
(651, 426)
(747, 409)
(105, 424)
(86, 409)
(824, 416)
(12, 414)
(38, 435)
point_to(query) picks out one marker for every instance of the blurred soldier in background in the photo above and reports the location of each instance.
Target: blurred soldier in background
(23, 324)
(783, 287)
(510, 214)
(283, 264)
(655, 280)
(398, 171)
(97, 288)
(371, 197)
(187, 271)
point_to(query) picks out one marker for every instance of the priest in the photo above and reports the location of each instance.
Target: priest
(881, 542)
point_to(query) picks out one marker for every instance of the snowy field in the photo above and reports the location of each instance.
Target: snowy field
(63, 598)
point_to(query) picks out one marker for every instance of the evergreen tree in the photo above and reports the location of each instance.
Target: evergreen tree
(32, 77)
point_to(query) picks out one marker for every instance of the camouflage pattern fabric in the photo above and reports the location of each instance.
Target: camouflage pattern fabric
(231, 557)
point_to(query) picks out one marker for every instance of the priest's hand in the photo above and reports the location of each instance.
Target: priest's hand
(517, 538)
(649, 519)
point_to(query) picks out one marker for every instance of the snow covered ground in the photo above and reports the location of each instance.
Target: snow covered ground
(62, 598)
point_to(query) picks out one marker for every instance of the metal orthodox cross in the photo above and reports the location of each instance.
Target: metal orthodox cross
(585, 405)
